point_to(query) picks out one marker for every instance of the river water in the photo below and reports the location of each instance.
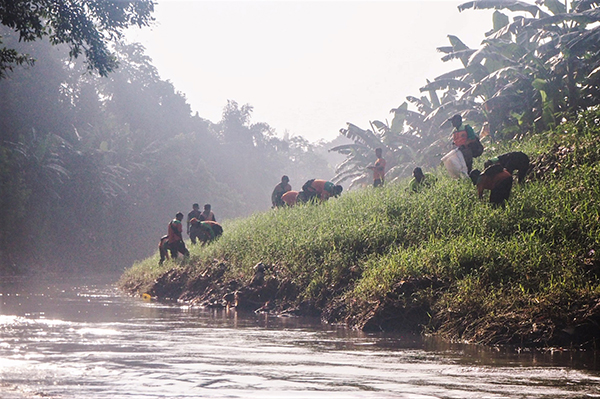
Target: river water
(85, 339)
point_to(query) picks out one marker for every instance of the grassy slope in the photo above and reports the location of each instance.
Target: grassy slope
(512, 275)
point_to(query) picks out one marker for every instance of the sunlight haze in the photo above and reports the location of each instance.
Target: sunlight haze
(307, 68)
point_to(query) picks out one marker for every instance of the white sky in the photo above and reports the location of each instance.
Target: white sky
(307, 67)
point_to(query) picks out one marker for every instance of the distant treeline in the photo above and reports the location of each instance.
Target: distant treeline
(93, 168)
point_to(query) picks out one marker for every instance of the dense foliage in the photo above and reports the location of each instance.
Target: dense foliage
(537, 66)
(86, 26)
(93, 167)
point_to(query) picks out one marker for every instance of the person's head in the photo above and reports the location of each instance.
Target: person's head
(474, 175)
(195, 207)
(337, 190)
(179, 216)
(418, 174)
(285, 179)
(378, 152)
(487, 164)
(207, 207)
(456, 120)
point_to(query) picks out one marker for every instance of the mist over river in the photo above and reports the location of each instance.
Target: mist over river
(85, 339)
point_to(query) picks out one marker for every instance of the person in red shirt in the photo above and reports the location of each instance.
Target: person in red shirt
(378, 169)
(496, 179)
(175, 237)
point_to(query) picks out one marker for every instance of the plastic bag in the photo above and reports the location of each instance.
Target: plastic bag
(454, 161)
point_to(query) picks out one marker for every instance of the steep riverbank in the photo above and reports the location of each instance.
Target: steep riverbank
(439, 262)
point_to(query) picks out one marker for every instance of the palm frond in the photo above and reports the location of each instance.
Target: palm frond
(512, 5)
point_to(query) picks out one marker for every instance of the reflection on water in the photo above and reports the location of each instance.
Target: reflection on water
(65, 340)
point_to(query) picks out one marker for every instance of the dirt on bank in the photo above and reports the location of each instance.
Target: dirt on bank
(408, 307)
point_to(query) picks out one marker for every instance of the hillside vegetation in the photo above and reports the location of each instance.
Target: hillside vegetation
(439, 261)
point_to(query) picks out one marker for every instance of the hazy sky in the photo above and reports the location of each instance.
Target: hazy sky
(307, 67)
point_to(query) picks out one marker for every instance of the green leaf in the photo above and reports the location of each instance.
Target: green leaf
(499, 20)
(555, 6)
(512, 5)
(539, 84)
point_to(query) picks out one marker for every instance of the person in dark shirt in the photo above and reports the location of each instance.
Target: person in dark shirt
(195, 213)
(280, 189)
(512, 161)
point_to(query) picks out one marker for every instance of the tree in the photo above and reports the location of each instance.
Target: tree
(86, 26)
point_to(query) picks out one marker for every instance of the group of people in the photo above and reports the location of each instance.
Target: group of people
(201, 226)
(497, 176)
(313, 190)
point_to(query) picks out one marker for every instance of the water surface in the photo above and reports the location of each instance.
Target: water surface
(85, 339)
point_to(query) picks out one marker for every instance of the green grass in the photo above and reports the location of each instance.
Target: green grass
(541, 249)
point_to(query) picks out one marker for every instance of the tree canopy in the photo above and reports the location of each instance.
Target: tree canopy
(86, 26)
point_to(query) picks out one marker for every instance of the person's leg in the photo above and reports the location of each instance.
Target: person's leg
(468, 155)
(183, 249)
(173, 250)
(162, 250)
(523, 168)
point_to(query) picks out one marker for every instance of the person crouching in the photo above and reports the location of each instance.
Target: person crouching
(496, 179)
(512, 161)
(163, 249)
(208, 231)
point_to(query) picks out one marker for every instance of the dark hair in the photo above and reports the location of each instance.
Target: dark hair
(456, 120)
(179, 215)
(417, 170)
(195, 206)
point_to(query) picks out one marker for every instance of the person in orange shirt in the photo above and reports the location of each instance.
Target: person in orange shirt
(175, 237)
(378, 169)
(290, 198)
(466, 140)
(496, 179)
(318, 188)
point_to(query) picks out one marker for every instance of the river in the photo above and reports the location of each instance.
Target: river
(85, 339)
